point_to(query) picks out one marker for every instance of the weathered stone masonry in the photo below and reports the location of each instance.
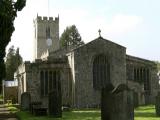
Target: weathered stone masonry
(80, 72)
(142, 78)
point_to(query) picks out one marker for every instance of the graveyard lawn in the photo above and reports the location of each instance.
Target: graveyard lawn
(12, 107)
(1, 99)
(74, 115)
(141, 113)
(146, 113)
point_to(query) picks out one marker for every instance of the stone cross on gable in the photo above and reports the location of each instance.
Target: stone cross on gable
(99, 32)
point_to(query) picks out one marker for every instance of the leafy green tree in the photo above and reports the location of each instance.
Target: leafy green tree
(13, 60)
(158, 65)
(71, 36)
(8, 12)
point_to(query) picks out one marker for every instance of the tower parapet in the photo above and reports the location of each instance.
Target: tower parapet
(44, 19)
(50, 18)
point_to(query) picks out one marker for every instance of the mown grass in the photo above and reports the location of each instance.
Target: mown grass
(1, 98)
(74, 115)
(12, 108)
(141, 113)
(146, 113)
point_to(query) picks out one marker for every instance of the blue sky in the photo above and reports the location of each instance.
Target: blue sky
(131, 23)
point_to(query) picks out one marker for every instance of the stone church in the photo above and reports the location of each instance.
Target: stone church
(80, 72)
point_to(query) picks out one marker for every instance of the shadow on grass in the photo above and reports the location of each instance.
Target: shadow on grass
(74, 115)
(141, 113)
(88, 115)
(145, 108)
(145, 114)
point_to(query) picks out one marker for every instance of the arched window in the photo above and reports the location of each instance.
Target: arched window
(101, 72)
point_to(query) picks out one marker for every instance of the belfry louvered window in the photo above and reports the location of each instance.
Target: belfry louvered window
(48, 33)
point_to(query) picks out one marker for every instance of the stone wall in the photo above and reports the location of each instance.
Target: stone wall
(30, 72)
(137, 81)
(85, 95)
(154, 84)
(20, 75)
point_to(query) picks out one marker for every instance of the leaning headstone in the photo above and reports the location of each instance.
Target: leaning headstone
(25, 101)
(157, 106)
(55, 104)
(117, 104)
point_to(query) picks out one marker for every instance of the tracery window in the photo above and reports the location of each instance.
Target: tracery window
(142, 75)
(101, 72)
(49, 80)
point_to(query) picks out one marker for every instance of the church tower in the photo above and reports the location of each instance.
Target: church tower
(46, 35)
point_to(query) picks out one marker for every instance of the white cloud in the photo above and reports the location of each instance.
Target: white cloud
(118, 26)
(124, 23)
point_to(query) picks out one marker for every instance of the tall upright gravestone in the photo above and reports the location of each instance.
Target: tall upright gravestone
(25, 101)
(55, 104)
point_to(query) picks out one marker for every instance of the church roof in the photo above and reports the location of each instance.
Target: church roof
(138, 59)
(99, 39)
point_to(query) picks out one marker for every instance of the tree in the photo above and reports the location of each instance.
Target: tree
(158, 65)
(71, 36)
(8, 12)
(13, 60)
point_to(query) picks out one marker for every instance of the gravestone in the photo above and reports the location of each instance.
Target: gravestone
(157, 105)
(55, 104)
(135, 99)
(106, 102)
(130, 104)
(25, 101)
(117, 104)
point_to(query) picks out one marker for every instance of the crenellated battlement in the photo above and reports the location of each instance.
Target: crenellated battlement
(44, 18)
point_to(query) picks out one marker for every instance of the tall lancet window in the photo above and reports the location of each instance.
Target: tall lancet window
(101, 72)
(48, 36)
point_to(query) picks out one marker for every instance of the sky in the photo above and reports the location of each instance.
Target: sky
(134, 24)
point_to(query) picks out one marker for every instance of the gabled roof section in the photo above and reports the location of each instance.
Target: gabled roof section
(99, 39)
(138, 59)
